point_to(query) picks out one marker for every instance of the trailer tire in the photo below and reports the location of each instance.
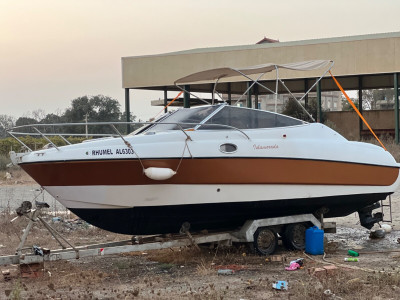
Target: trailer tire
(265, 241)
(294, 236)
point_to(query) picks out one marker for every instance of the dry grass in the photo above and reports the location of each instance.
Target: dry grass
(389, 143)
(205, 268)
(178, 256)
(18, 175)
(349, 285)
(206, 255)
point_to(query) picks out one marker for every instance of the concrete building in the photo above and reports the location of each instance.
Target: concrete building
(361, 62)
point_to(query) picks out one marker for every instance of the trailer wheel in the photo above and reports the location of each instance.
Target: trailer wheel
(294, 236)
(265, 241)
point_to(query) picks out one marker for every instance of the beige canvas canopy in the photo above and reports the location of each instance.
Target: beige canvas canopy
(215, 74)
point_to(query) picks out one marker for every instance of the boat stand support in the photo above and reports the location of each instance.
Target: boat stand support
(34, 216)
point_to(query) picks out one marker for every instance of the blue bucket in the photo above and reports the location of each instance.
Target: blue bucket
(314, 241)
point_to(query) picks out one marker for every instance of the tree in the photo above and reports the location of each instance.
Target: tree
(371, 97)
(52, 119)
(95, 109)
(38, 114)
(122, 128)
(7, 122)
(347, 106)
(293, 109)
(25, 121)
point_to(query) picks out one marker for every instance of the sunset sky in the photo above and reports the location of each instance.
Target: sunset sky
(54, 51)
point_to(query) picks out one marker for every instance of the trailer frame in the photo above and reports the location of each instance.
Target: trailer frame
(144, 243)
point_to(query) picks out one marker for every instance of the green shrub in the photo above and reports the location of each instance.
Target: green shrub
(4, 161)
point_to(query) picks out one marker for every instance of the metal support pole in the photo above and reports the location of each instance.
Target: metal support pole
(165, 100)
(360, 105)
(319, 100)
(305, 91)
(249, 95)
(396, 106)
(127, 110)
(28, 228)
(186, 97)
(54, 233)
(229, 94)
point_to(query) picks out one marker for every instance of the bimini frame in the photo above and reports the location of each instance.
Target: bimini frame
(215, 75)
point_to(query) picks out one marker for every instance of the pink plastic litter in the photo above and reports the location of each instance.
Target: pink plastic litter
(292, 267)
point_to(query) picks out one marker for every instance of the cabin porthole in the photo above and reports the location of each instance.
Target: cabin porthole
(228, 148)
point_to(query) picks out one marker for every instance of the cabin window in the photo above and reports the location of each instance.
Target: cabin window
(228, 148)
(243, 118)
(185, 115)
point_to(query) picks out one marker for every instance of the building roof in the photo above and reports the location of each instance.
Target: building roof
(266, 40)
(367, 55)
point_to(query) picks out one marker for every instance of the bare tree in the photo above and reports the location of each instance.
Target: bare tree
(371, 98)
(6, 122)
(38, 114)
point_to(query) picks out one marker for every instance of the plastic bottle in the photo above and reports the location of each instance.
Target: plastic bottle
(351, 259)
(225, 272)
(352, 253)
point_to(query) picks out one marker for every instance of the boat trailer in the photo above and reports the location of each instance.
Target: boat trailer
(262, 234)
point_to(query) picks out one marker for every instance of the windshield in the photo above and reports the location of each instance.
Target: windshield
(184, 115)
(238, 117)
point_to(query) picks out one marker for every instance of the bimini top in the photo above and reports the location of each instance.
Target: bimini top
(215, 74)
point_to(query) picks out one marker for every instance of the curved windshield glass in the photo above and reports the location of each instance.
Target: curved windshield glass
(184, 115)
(243, 118)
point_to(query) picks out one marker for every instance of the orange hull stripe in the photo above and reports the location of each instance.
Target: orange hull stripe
(212, 171)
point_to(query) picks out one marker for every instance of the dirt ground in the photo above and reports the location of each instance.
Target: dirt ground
(188, 273)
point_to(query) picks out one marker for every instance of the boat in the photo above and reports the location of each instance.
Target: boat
(214, 166)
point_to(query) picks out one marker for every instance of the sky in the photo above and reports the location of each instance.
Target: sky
(52, 52)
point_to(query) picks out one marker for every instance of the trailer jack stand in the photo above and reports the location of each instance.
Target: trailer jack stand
(34, 216)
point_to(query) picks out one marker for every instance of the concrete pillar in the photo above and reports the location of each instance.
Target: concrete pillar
(127, 110)
(360, 104)
(229, 94)
(396, 106)
(256, 96)
(319, 101)
(249, 95)
(165, 100)
(186, 97)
